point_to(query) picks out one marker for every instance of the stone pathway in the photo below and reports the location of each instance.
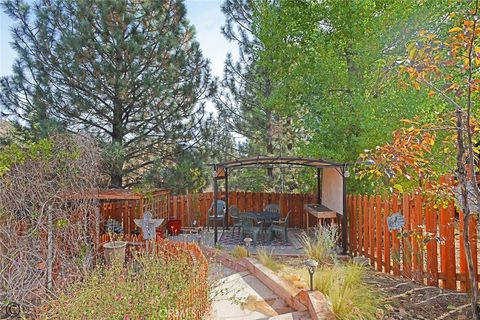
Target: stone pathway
(240, 295)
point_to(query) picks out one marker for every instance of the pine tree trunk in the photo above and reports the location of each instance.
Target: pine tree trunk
(269, 139)
(116, 180)
(116, 176)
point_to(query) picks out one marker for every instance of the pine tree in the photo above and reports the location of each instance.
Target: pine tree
(127, 72)
(246, 87)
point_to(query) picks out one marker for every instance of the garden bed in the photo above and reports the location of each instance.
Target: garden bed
(406, 299)
(168, 284)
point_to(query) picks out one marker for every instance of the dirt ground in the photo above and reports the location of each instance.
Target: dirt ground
(405, 299)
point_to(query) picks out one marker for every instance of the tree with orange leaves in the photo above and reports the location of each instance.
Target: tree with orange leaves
(448, 68)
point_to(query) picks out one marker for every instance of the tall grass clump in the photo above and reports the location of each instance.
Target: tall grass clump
(343, 286)
(266, 258)
(321, 247)
(239, 252)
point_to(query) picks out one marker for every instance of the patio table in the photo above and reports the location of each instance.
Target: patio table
(260, 215)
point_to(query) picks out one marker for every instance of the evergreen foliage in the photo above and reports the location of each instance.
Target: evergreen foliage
(129, 73)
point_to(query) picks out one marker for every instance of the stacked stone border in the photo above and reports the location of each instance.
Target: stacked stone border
(299, 299)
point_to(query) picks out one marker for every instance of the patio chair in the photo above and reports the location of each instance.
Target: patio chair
(234, 214)
(221, 208)
(280, 226)
(249, 227)
(272, 207)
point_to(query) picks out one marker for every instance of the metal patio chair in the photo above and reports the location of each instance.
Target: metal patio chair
(234, 214)
(272, 207)
(280, 226)
(249, 227)
(221, 208)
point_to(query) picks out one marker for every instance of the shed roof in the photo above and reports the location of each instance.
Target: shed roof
(116, 194)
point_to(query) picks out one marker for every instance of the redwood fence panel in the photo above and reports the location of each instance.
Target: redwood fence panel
(439, 262)
(126, 210)
(188, 208)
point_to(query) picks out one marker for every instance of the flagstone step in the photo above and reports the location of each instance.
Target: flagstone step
(292, 316)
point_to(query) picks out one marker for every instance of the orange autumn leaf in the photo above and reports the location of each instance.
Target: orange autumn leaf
(455, 29)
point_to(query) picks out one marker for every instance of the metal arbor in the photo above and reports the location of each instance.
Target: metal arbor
(221, 171)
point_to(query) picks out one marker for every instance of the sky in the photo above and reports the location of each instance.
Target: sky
(205, 15)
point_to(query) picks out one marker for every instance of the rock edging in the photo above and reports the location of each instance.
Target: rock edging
(301, 300)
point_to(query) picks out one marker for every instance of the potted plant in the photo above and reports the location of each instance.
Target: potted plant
(114, 251)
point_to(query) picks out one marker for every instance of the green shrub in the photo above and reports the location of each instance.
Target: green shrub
(321, 246)
(239, 252)
(265, 257)
(343, 286)
(150, 289)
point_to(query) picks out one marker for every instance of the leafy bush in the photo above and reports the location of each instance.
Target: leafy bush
(151, 288)
(343, 286)
(239, 252)
(265, 257)
(321, 246)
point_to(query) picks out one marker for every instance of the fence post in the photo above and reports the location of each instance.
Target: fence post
(371, 229)
(395, 240)
(406, 243)
(432, 257)
(351, 224)
(418, 247)
(379, 235)
(386, 236)
(361, 224)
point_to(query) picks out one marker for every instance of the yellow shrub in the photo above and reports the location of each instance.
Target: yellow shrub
(266, 258)
(239, 252)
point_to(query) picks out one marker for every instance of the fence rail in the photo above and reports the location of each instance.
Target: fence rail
(429, 248)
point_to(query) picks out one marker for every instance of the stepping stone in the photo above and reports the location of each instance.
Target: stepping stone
(292, 316)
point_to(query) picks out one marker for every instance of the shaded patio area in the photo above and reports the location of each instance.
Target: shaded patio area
(330, 200)
(228, 241)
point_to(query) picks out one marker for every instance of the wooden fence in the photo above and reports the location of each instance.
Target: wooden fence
(438, 262)
(125, 208)
(194, 207)
(188, 208)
